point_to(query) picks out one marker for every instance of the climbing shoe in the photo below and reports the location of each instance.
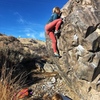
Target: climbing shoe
(56, 32)
(56, 55)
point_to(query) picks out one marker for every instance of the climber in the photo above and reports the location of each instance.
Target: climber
(52, 28)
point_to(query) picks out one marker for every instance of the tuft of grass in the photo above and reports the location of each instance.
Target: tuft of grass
(11, 83)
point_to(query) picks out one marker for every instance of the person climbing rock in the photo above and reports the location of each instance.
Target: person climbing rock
(52, 28)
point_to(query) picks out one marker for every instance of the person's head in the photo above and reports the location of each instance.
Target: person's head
(46, 97)
(57, 96)
(56, 10)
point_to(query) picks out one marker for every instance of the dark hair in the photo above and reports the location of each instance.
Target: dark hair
(57, 96)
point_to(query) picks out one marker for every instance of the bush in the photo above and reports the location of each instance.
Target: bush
(10, 83)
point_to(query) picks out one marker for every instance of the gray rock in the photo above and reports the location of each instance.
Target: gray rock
(79, 46)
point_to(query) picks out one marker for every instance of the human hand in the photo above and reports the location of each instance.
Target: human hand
(64, 19)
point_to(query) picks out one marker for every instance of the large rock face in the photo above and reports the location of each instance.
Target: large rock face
(79, 46)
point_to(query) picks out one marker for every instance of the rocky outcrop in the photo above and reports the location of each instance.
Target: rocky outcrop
(79, 46)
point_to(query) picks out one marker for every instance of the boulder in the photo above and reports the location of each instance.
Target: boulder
(79, 47)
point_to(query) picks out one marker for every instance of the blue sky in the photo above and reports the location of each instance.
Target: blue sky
(26, 18)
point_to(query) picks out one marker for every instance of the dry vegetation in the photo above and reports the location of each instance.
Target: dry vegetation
(10, 84)
(31, 41)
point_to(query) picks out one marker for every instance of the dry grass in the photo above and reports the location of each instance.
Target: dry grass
(27, 41)
(10, 84)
